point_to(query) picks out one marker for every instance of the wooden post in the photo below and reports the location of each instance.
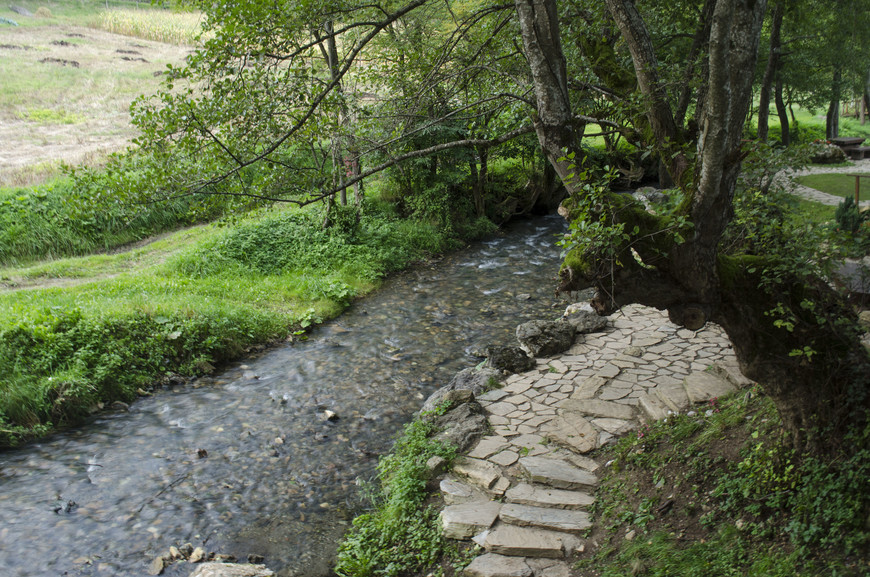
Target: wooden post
(857, 191)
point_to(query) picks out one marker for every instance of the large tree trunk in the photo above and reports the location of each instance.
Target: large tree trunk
(554, 124)
(814, 370)
(770, 71)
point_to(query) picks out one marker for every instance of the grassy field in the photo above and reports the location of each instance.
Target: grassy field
(837, 184)
(68, 83)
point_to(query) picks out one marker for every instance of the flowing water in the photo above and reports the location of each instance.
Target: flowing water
(244, 462)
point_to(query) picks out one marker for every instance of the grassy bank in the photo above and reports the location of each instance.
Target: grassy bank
(101, 328)
(717, 494)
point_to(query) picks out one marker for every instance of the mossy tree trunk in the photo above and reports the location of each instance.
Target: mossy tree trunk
(684, 274)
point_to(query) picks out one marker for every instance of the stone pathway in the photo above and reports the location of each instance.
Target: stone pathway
(787, 180)
(522, 493)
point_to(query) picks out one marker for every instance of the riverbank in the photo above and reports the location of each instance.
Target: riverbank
(91, 331)
(639, 450)
(523, 491)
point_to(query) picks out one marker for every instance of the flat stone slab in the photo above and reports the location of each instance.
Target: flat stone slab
(703, 386)
(597, 408)
(654, 408)
(481, 473)
(231, 570)
(494, 565)
(549, 567)
(455, 492)
(614, 426)
(488, 446)
(544, 518)
(573, 431)
(538, 496)
(468, 519)
(515, 541)
(557, 473)
(588, 388)
(505, 458)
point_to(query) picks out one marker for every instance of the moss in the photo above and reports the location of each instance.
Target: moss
(734, 269)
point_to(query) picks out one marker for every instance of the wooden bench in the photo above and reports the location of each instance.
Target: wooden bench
(858, 152)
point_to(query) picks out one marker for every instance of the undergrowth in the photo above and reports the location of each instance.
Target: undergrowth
(401, 534)
(717, 493)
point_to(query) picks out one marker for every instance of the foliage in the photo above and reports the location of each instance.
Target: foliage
(749, 506)
(57, 219)
(847, 216)
(401, 535)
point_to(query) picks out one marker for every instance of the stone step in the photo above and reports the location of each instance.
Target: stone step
(557, 473)
(539, 496)
(455, 492)
(701, 386)
(653, 407)
(597, 408)
(544, 518)
(495, 565)
(466, 520)
(730, 371)
(479, 472)
(515, 541)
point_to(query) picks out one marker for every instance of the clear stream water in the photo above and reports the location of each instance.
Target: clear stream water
(242, 462)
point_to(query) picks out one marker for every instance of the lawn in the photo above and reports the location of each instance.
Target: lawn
(837, 184)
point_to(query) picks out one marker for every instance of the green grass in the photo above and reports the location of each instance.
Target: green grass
(401, 535)
(837, 184)
(740, 502)
(103, 327)
(811, 126)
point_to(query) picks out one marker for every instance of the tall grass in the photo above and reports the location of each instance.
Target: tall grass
(180, 28)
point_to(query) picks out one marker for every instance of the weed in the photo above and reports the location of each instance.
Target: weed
(401, 535)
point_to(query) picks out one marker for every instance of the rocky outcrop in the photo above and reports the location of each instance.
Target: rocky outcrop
(509, 359)
(546, 338)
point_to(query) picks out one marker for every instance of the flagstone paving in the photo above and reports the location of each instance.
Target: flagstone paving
(522, 492)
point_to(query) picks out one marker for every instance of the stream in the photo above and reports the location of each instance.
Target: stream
(244, 461)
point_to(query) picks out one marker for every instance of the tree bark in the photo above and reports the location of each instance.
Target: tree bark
(659, 113)
(782, 112)
(832, 119)
(770, 71)
(554, 124)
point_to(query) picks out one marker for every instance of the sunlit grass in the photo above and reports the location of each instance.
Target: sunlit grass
(181, 28)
